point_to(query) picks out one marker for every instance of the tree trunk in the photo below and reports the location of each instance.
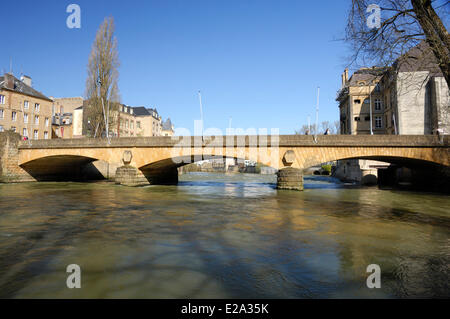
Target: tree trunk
(436, 34)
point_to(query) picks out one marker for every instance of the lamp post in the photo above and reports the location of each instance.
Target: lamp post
(370, 108)
(105, 117)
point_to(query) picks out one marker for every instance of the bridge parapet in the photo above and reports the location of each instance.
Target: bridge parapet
(245, 141)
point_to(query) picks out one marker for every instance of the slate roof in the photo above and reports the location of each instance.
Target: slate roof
(366, 75)
(167, 125)
(22, 88)
(419, 58)
(140, 111)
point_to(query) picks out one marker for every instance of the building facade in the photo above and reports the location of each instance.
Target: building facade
(23, 109)
(138, 121)
(63, 119)
(409, 98)
(130, 122)
(167, 128)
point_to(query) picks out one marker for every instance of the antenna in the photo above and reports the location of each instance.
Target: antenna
(10, 65)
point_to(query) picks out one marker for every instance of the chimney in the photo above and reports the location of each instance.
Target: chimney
(344, 77)
(9, 81)
(26, 80)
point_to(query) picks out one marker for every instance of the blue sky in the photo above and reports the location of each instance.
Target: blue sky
(259, 61)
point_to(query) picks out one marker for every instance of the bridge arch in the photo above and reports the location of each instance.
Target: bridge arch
(62, 168)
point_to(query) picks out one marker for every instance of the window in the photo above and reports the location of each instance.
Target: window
(46, 135)
(36, 119)
(367, 118)
(357, 119)
(357, 101)
(46, 121)
(25, 118)
(377, 105)
(36, 107)
(36, 134)
(366, 101)
(377, 87)
(2, 113)
(378, 122)
(1, 128)
(14, 116)
(138, 124)
(25, 105)
(25, 131)
(132, 125)
(2, 99)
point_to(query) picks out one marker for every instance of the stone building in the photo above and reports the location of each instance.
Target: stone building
(63, 119)
(167, 128)
(131, 121)
(23, 109)
(139, 121)
(409, 98)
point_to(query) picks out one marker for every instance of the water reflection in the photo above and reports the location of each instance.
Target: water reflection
(221, 236)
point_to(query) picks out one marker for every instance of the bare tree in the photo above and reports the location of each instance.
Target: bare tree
(324, 126)
(102, 92)
(336, 128)
(304, 130)
(403, 25)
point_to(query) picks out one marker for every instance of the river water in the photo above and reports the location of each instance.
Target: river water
(222, 236)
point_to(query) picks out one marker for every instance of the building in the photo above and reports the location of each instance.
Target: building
(77, 124)
(358, 95)
(130, 122)
(409, 98)
(23, 109)
(62, 125)
(139, 121)
(63, 119)
(167, 128)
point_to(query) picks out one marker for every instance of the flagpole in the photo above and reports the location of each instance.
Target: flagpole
(201, 109)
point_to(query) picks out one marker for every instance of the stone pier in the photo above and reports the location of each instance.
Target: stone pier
(10, 171)
(128, 175)
(290, 178)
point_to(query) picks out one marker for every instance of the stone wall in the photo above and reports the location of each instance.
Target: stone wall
(10, 171)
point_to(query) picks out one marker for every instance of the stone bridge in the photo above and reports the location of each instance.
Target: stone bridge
(154, 160)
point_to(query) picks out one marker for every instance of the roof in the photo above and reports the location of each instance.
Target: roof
(366, 75)
(22, 88)
(419, 58)
(140, 111)
(167, 125)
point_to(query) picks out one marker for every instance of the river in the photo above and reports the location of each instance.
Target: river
(222, 236)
